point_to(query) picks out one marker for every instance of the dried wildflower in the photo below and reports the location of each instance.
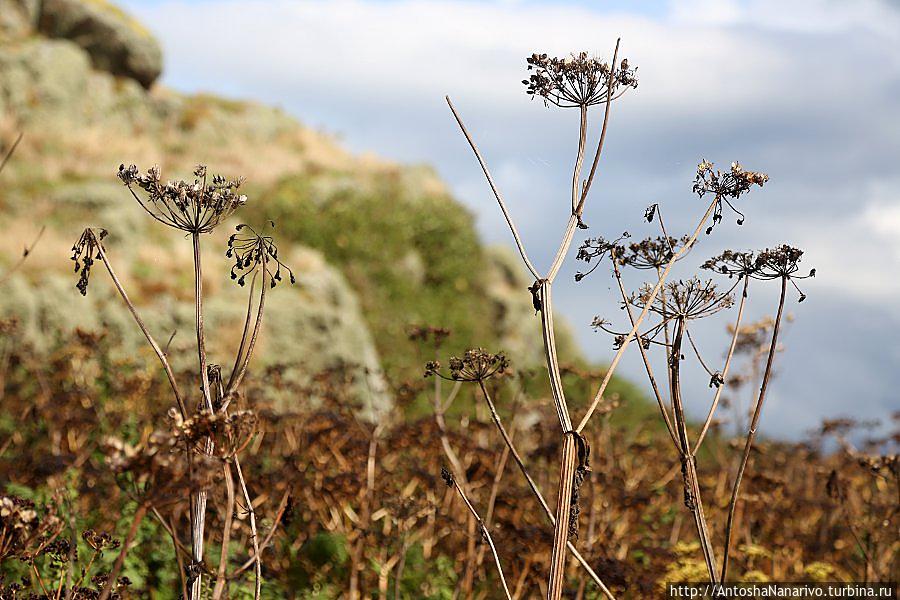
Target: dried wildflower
(432, 367)
(781, 262)
(688, 300)
(194, 207)
(23, 528)
(733, 264)
(653, 253)
(578, 80)
(476, 364)
(99, 541)
(230, 431)
(85, 251)
(725, 186)
(597, 248)
(250, 250)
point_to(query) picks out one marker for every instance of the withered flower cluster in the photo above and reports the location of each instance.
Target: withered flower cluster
(653, 253)
(732, 263)
(781, 262)
(597, 248)
(195, 207)
(250, 250)
(85, 251)
(688, 300)
(18, 523)
(725, 186)
(477, 364)
(231, 431)
(578, 80)
(99, 540)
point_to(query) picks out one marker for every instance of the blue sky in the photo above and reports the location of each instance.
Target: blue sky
(808, 91)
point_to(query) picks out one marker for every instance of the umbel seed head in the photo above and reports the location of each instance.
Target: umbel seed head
(578, 80)
(194, 207)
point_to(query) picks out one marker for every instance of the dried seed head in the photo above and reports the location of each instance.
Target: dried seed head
(578, 80)
(251, 250)
(781, 262)
(85, 251)
(689, 300)
(733, 264)
(194, 207)
(476, 364)
(597, 248)
(726, 186)
(653, 253)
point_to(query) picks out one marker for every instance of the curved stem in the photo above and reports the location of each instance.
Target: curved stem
(143, 327)
(490, 179)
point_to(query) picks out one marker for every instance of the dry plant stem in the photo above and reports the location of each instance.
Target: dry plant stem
(646, 359)
(492, 500)
(569, 452)
(534, 489)
(754, 423)
(721, 387)
(237, 374)
(254, 537)
(198, 500)
(688, 463)
(596, 161)
(242, 346)
(618, 357)
(490, 179)
(282, 506)
(11, 150)
(487, 536)
(170, 374)
(365, 518)
(136, 520)
(221, 579)
(24, 257)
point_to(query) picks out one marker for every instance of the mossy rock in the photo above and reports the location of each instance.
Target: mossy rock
(115, 42)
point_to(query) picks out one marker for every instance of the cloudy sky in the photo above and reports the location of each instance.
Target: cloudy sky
(807, 91)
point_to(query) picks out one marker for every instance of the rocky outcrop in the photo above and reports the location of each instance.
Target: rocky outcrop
(309, 328)
(115, 42)
(378, 247)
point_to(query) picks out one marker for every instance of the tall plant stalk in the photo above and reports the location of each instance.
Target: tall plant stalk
(197, 208)
(577, 82)
(754, 423)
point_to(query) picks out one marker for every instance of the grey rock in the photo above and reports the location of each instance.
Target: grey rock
(116, 42)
